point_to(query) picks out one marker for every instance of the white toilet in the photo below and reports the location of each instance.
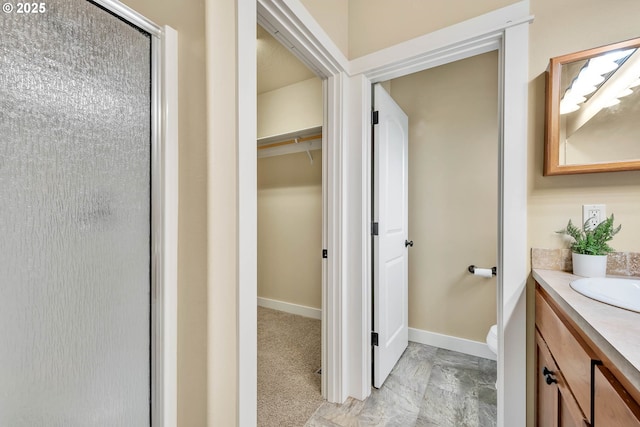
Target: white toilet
(492, 339)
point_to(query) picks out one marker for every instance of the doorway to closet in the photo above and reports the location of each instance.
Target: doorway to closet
(290, 235)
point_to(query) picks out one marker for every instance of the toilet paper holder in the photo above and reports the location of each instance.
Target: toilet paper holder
(472, 269)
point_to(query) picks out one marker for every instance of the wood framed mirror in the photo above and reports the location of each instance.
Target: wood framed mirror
(592, 121)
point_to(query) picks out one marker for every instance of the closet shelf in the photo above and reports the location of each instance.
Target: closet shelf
(290, 141)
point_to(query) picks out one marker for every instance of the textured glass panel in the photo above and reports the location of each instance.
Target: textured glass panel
(74, 218)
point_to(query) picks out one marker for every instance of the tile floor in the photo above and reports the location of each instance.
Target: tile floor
(429, 387)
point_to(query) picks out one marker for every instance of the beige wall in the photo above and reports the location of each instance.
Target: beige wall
(333, 17)
(453, 188)
(222, 212)
(359, 27)
(560, 28)
(376, 24)
(290, 228)
(187, 17)
(290, 108)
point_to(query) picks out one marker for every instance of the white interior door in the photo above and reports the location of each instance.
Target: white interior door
(390, 245)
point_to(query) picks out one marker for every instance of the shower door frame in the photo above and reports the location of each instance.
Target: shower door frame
(164, 211)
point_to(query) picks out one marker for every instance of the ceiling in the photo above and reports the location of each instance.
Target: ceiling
(277, 67)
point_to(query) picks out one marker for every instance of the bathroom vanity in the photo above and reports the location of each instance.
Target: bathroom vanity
(587, 358)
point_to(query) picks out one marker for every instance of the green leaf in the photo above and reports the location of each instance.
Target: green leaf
(592, 242)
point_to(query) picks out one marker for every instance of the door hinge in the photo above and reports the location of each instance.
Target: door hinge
(325, 254)
(374, 338)
(374, 117)
(374, 228)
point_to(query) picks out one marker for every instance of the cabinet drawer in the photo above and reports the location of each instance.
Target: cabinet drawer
(612, 404)
(571, 355)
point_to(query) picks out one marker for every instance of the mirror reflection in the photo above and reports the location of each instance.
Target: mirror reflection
(593, 110)
(599, 109)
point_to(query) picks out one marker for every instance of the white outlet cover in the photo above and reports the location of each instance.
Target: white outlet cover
(598, 212)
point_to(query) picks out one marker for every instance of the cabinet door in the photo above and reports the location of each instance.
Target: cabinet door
(569, 351)
(612, 404)
(555, 404)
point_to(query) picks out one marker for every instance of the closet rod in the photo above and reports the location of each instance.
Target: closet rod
(290, 141)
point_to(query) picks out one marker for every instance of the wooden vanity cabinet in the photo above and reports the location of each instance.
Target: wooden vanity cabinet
(574, 385)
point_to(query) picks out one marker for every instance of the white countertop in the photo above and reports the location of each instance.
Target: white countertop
(614, 330)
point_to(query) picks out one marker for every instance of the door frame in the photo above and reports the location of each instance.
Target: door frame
(164, 212)
(347, 99)
(318, 53)
(508, 34)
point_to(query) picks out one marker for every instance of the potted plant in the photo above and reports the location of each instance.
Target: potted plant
(589, 248)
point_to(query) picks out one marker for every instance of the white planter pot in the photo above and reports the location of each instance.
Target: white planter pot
(589, 265)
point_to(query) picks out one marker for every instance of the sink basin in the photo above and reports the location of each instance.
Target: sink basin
(623, 293)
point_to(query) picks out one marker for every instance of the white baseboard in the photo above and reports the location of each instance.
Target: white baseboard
(462, 345)
(300, 310)
(434, 339)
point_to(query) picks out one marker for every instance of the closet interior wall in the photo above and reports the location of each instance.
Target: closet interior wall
(289, 191)
(290, 229)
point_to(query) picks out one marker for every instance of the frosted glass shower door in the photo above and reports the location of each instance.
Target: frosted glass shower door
(75, 170)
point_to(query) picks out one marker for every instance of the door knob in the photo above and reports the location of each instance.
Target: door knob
(408, 243)
(547, 376)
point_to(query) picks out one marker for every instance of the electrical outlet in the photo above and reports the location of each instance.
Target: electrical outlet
(595, 214)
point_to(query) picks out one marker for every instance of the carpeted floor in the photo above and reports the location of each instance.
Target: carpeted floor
(288, 358)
